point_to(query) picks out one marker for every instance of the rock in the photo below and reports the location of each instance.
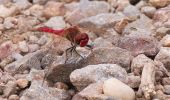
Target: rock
(17, 56)
(161, 17)
(22, 4)
(71, 6)
(86, 9)
(36, 75)
(121, 5)
(33, 47)
(17, 38)
(35, 10)
(25, 24)
(167, 89)
(6, 61)
(61, 85)
(92, 92)
(166, 81)
(100, 23)
(139, 44)
(22, 83)
(137, 28)
(163, 56)
(159, 3)
(104, 43)
(161, 32)
(116, 56)
(13, 97)
(141, 4)
(6, 77)
(7, 12)
(131, 12)
(6, 49)
(5, 2)
(10, 88)
(43, 40)
(39, 92)
(23, 46)
(53, 9)
(56, 22)
(133, 81)
(148, 11)
(33, 39)
(138, 64)
(166, 41)
(115, 88)
(10, 22)
(81, 78)
(32, 60)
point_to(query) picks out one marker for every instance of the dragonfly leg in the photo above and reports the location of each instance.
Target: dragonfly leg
(77, 52)
(67, 50)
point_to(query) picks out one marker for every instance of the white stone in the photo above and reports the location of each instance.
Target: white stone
(56, 22)
(23, 46)
(117, 89)
(6, 12)
(166, 41)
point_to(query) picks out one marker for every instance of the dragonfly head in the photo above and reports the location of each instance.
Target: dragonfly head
(82, 39)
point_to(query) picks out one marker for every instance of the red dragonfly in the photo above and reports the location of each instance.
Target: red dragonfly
(73, 34)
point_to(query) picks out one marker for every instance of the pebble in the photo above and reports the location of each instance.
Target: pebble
(166, 41)
(132, 12)
(33, 39)
(43, 39)
(164, 56)
(148, 11)
(10, 88)
(56, 22)
(13, 97)
(6, 12)
(33, 47)
(22, 83)
(159, 3)
(167, 89)
(10, 22)
(53, 8)
(115, 88)
(23, 46)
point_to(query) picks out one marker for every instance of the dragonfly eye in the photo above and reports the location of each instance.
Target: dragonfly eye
(82, 39)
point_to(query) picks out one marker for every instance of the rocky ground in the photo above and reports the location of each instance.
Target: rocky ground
(130, 59)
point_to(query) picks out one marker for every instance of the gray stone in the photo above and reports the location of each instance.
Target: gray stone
(137, 28)
(138, 64)
(102, 22)
(131, 12)
(29, 61)
(139, 44)
(167, 89)
(22, 4)
(81, 78)
(164, 56)
(148, 11)
(10, 88)
(86, 9)
(56, 22)
(38, 92)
